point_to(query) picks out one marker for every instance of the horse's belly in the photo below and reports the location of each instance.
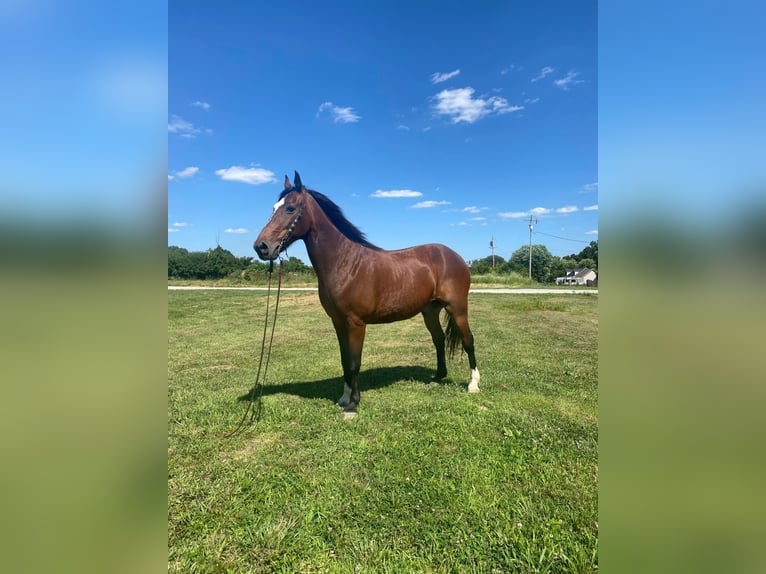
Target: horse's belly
(391, 316)
(396, 309)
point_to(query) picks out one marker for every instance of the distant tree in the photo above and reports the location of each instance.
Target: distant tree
(210, 264)
(256, 269)
(541, 261)
(558, 268)
(478, 267)
(178, 262)
(586, 262)
(257, 266)
(590, 253)
(244, 262)
(219, 262)
(484, 265)
(513, 267)
(295, 265)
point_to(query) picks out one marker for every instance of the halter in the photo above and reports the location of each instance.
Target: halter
(295, 221)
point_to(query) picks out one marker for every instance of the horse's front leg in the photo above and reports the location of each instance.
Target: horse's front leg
(351, 341)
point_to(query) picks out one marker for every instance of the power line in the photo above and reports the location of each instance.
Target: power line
(564, 238)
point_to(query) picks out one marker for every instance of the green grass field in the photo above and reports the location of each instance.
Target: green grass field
(428, 478)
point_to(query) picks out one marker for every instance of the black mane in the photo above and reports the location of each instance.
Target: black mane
(335, 214)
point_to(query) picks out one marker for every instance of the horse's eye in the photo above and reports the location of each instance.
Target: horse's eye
(290, 208)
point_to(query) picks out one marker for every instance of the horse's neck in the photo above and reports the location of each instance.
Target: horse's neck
(328, 249)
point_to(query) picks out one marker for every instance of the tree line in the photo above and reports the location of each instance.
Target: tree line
(545, 267)
(219, 263)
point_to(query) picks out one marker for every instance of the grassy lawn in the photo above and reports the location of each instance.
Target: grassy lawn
(425, 479)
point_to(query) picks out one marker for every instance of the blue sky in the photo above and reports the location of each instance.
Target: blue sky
(83, 110)
(426, 122)
(682, 120)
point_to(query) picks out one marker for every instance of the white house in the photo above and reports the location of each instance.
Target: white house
(583, 276)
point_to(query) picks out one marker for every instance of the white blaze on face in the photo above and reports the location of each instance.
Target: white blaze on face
(277, 205)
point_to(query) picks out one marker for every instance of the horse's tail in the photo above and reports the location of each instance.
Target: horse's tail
(452, 336)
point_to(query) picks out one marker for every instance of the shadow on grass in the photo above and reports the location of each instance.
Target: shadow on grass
(332, 388)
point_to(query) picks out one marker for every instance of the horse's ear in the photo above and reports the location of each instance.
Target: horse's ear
(288, 185)
(298, 183)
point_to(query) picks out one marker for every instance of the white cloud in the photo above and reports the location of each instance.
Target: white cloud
(591, 208)
(593, 232)
(182, 224)
(438, 78)
(204, 105)
(396, 193)
(429, 203)
(477, 219)
(544, 72)
(473, 209)
(538, 211)
(187, 171)
(251, 175)
(239, 230)
(180, 126)
(339, 114)
(460, 105)
(511, 68)
(403, 128)
(513, 214)
(184, 173)
(589, 187)
(171, 230)
(568, 80)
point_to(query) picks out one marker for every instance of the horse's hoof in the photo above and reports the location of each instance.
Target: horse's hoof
(433, 384)
(473, 384)
(348, 415)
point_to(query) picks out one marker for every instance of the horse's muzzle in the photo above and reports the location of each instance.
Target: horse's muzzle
(266, 251)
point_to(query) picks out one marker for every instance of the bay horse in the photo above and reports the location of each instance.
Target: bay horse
(361, 284)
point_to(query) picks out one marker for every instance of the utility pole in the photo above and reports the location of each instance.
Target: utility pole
(530, 244)
(492, 246)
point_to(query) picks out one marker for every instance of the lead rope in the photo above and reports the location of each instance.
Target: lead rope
(259, 383)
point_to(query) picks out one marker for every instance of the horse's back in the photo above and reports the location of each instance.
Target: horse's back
(434, 253)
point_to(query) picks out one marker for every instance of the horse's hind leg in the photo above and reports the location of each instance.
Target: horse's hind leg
(459, 329)
(431, 318)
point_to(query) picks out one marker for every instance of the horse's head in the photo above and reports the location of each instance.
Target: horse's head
(287, 222)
